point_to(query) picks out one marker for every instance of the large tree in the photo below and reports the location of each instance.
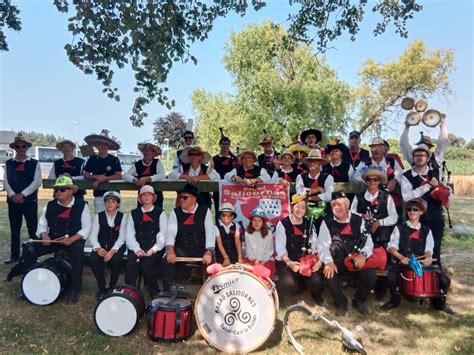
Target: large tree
(171, 127)
(41, 139)
(150, 35)
(418, 72)
(278, 89)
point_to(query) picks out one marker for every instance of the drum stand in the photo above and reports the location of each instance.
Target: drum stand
(348, 338)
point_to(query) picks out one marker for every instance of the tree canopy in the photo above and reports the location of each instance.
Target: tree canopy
(150, 35)
(41, 139)
(171, 127)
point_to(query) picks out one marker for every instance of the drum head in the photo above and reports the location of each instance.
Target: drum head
(41, 286)
(115, 316)
(413, 118)
(183, 302)
(235, 311)
(407, 103)
(431, 118)
(421, 105)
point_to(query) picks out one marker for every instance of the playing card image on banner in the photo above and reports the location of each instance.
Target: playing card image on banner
(272, 197)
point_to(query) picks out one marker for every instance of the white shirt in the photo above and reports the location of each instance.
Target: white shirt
(383, 165)
(323, 242)
(226, 228)
(395, 238)
(131, 239)
(280, 239)
(211, 173)
(35, 184)
(52, 173)
(85, 220)
(258, 248)
(349, 173)
(208, 226)
(328, 187)
(408, 192)
(94, 236)
(263, 175)
(392, 217)
(132, 172)
(276, 178)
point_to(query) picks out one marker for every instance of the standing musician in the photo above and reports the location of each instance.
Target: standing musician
(191, 233)
(69, 164)
(295, 238)
(147, 170)
(311, 137)
(188, 140)
(315, 184)
(413, 237)
(229, 246)
(145, 238)
(377, 208)
(269, 157)
(67, 217)
(300, 152)
(340, 170)
(248, 173)
(420, 181)
(355, 153)
(102, 167)
(339, 235)
(194, 169)
(286, 174)
(22, 180)
(108, 242)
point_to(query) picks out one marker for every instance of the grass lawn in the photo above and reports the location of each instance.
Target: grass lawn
(412, 328)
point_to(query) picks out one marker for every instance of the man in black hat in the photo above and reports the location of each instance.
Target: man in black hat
(338, 235)
(269, 157)
(21, 182)
(340, 170)
(191, 233)
(354, 154)
(311, 137)
(188, 140)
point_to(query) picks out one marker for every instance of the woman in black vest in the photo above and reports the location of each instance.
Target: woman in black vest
(108, 242)
(294, 238)
(340, 170)
(413, 237)
(286, 174)
(145, 238)
(248, 173)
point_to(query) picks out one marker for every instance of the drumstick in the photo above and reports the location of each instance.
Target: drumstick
(185, 259)
(58, 240)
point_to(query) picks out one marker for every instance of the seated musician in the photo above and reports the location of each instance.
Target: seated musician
(191, 233)
(413, 237)
(340, 235)
(286, 174)
(145, 237)
(248, 173)
(318, 186)
(108, 242)
(295, 238)
(229, 245)
(341, 171)
(377, 208)
(67, 218)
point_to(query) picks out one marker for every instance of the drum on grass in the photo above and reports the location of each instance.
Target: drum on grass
(170, 318)
(46, 281)
(119, 311)
(236, 310)
(425, 286)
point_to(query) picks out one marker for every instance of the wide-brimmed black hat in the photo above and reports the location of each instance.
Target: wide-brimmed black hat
(190, 189)
(338, 194)
(307, 132)
(334, 145)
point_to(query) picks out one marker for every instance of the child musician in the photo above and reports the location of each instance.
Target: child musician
(229, 247)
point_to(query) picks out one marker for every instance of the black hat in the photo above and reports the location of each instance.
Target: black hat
(338, 194)
(190, 189)
(333, 145)
(307, 132)
(355, 133)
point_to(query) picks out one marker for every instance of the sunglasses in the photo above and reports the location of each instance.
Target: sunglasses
(184, 197)
(372, 179)
(227, 214)
(62, 189)
(21, 146)
(413, 209)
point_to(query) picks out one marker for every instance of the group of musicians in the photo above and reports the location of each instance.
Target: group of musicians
(352, 225)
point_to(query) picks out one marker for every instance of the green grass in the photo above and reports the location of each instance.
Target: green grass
(412, 328)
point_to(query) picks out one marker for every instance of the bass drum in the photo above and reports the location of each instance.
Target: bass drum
(236, 310)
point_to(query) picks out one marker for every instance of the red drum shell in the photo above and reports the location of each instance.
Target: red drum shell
(425, 286)
(162, 322)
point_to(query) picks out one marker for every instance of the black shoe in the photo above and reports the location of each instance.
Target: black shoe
(361, 308)
(20, 296)
(100, 294)
(380, 296)
(446, 308)
(341, 310)
(318, 299)
(387, 306)
(72, 297)
(11, 261)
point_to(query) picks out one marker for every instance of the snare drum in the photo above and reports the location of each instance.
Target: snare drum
(425, 286)
(170, 319)
(236, 310)
(119, 311)
(46, 281)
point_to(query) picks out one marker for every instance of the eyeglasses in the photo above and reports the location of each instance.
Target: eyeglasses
(413, 209)
(184, 197)
(227, 214)
(369, 179)
(21, 146)
(62, 189)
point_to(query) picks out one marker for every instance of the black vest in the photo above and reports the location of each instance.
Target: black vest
(71, 167)
(309, 183)
(109, 235)
(187, 167)
(363, 155)
(191, 229)
(249, 174)
(266, 162)
(20, 175)
(409, 245)
(228, 241)
(143, 170)
(146, 230)
(391, 163)
(296, 239)
(435, 210)
(64, 220)
(223, 165)
(341, 245)
(290, 177)
(340, 173)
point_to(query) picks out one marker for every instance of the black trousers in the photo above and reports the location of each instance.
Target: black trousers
(170, 269)
(290, 282)
(365, 283)
(98, 267)
(147, 267)
(75, 251)
(16, 211)
(437, 229)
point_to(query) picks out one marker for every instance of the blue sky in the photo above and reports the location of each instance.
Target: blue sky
(42, 91)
